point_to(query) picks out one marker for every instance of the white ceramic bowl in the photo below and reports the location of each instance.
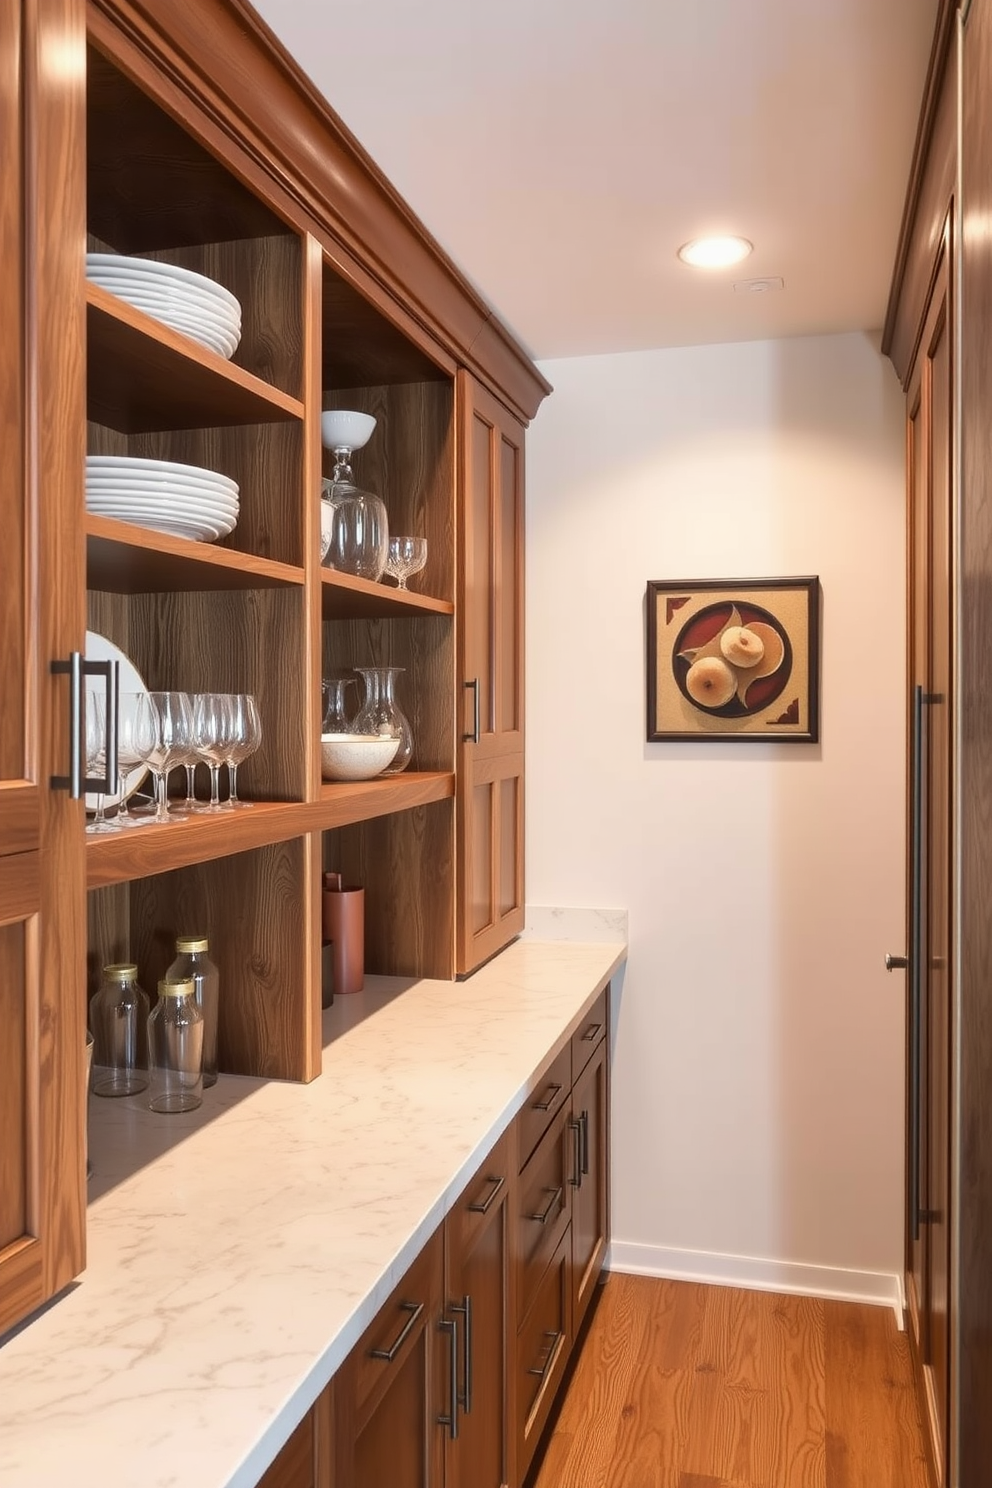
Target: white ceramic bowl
(355, 756)
(344, 429)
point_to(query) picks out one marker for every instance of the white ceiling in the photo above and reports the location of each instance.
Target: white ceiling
(562, 150)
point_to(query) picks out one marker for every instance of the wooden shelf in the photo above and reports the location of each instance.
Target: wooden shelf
(345, 597)
(142, 376)
(143, 851)
(122, 558)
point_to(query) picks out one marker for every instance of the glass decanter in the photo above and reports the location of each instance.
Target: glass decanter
(357, 532)
(336, 719)
(381, 714)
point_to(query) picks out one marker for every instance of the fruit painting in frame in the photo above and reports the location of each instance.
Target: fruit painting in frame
(733, 659)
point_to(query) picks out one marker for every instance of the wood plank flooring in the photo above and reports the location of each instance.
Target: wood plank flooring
(679, 1385)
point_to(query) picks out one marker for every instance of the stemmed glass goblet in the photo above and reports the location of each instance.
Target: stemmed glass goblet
(96, 755)
(173, 735)
(136, 726)
(407, 555)
(244, 737)
(212, 726)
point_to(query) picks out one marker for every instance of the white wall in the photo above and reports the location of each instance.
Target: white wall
(758, 1076)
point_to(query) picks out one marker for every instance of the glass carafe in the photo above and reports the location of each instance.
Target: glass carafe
(381, 714)
(336, 719)
(359, 526)
(193, 962)
(175, 1049)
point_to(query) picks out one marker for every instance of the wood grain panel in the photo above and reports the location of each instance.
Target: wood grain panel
(20, 886)
(928, 197)
(405, 862)
(410, 462)
(363, 347)
(108, 933)
(294, 1466)
(266, 277)
(251, 908)
(19, 816)
(971, 1423)
(346, 597)
(266, 460)
(14, 555)
(150, 184)
(14, 1086)
(56, 325)
(238, 641)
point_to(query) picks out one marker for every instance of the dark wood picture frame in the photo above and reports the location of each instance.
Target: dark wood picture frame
(733, 659)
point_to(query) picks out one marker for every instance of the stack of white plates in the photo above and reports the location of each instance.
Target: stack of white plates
(188, 302)
(183, 500)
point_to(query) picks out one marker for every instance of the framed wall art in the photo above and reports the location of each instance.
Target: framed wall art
(734, 659)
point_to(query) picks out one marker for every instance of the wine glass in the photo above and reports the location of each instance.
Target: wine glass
(96, 757)
(136, 726)
(173, 733)
(212, 725)
(190, 761)
(244, 738)
(407, 555)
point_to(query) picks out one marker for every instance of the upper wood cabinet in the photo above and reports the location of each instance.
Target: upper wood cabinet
(42, 1160)
(491, 595)
(184, 134)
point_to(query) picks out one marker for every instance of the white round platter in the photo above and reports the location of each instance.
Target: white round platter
(98, 648)
(108, 465)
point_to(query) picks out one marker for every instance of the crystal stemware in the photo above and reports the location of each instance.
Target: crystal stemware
(96, 757)
(244, 737)
(407, 555)
(173, 736)
(211, 733)
(136, 725)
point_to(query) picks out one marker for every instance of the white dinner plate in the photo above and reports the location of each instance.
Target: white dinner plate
(98, 648)
(128, 464)
(192, 531)
(153, 513)
(178, 496)
(211, 313)
(150, 485)
(151, 269)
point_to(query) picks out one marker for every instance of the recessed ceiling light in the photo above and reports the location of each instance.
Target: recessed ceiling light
(715, 253)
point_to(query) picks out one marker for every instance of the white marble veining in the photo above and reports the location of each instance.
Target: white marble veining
(237, 1253)
(583, 925)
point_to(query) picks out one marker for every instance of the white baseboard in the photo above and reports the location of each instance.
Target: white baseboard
(883, 1289)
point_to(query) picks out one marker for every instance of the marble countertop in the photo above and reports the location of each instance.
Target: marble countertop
(235, 1254)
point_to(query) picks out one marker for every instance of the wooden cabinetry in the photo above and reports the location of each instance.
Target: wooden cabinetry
(42, 1182)
(491, 588)
(183, 134)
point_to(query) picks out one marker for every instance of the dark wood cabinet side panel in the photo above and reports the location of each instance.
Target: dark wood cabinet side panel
(929, 192)
(971, 1424)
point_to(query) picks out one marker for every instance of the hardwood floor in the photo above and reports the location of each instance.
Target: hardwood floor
(679, 1385)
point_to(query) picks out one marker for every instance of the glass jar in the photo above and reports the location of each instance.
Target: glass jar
(357, 525)
(175, 1049)
(119, 1023)
(335, 719)
(192, 961)
(381, 714)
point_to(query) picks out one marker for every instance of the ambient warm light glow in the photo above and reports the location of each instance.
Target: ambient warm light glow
(714, 253)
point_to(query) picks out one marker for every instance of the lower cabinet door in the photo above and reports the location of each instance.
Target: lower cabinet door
(589, 1181)
(477, 1234)
(390, 1392)
(543, 1344)
(296, 1463)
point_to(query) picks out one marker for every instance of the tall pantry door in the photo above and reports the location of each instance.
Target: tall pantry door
(42, 869)
(491, 637)
(930, 405)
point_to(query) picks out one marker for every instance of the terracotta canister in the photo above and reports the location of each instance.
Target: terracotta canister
(344, 927)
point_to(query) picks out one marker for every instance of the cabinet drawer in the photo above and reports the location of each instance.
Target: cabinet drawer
(398, 1326)
(542, 1210)
(488, 1188)
(543, 1104)
(589, 1033)
(543, 1345)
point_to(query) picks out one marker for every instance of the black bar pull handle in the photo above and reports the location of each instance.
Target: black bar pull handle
(77, 783)
(389, 1354)
(473, 737)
